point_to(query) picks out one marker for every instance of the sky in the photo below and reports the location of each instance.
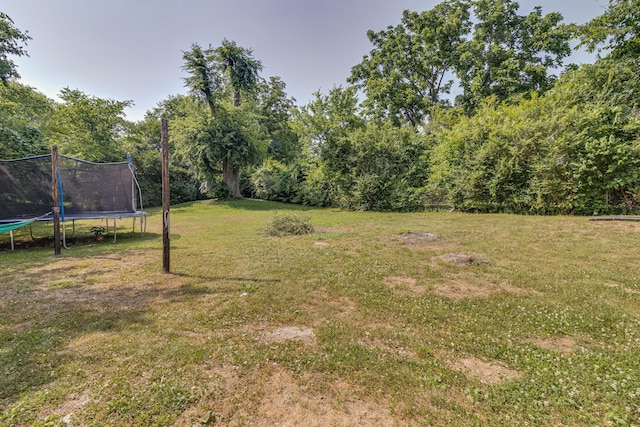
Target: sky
(132, 49)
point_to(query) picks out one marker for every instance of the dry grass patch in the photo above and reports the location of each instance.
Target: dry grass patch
(491, 372)
(272, 396)
(416, 238)
(405, 285)
(563, 345)
(464, 259)
(624, 288)
(288, 333)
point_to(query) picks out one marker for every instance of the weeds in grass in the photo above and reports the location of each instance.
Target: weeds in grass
(357, 330)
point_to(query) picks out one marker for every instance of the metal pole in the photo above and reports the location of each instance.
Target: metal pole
(55, 194)
(166, 244)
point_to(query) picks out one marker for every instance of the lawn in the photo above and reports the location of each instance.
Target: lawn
(380, 319)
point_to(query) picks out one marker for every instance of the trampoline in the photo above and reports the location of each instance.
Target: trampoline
(88, 190)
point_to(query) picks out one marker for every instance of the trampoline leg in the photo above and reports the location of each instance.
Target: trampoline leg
(11, 235)
(114, 229)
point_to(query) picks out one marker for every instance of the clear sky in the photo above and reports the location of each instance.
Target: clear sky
(132, 49)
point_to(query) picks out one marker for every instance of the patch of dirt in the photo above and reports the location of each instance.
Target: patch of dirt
(390, 347)
(71, 404)
(288, 333)
(411, 237)
(624, 288)
(458, 289)
(325, 306)
(320, 244)
(509, 288)
(273, 397)
(463, 286)
(486, 372)
(563, 345)
(404, 284)
(464, 259)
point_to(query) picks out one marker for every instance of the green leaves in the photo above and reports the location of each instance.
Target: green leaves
(88, 127)
(575, 150)
(409, 69)
(617, 31)
(11, 43)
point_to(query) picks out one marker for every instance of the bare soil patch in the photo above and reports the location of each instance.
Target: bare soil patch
(563, 345)
(411, 237)
(458, 289)
(464, 259)
(273, 397)
(491, 372)
(72, 403)
(287, 333)
(403, 284)
(468, 286)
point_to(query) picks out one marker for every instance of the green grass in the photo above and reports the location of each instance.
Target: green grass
(100, 336)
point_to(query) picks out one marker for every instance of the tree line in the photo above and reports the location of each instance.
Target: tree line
(468, 104)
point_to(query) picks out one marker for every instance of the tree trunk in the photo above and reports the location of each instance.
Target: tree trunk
(231, 177)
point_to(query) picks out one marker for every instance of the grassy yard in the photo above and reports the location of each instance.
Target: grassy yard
(374, 319)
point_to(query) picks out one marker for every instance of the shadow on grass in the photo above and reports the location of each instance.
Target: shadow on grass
(32, 353)
(244, 204)
(37, 324)
(225, 278)
(25, 242)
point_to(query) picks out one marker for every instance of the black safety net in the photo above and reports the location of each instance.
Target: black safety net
(88, 189)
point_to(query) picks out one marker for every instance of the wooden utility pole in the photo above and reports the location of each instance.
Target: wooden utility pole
(166, 201)
(55, 194)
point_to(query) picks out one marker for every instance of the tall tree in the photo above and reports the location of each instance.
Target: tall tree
(204, 81)
(276, 109)
(89, 127)
(240, 66)
(242, 70)
(24, 114)
(616, 31)
(231, 137)
(509, 54)
(12, 42)
(411, 65)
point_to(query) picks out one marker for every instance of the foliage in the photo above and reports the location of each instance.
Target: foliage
(239, 66)
(24, 114)
(227, 139)
(409, 68)
(88, 127)
(486, 44)
(616, 31)
(380, 167)
(275, 110)
(288, 225)
(11, 43)
(575, 150)
(143, 145)
(508, 54)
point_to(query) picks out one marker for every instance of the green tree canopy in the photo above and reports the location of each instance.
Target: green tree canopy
(24, 114)
(228, 138)
(616, 31)
(89, 127)
(509, 54)
(411, 65)
(487, 45)
(12, 42)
